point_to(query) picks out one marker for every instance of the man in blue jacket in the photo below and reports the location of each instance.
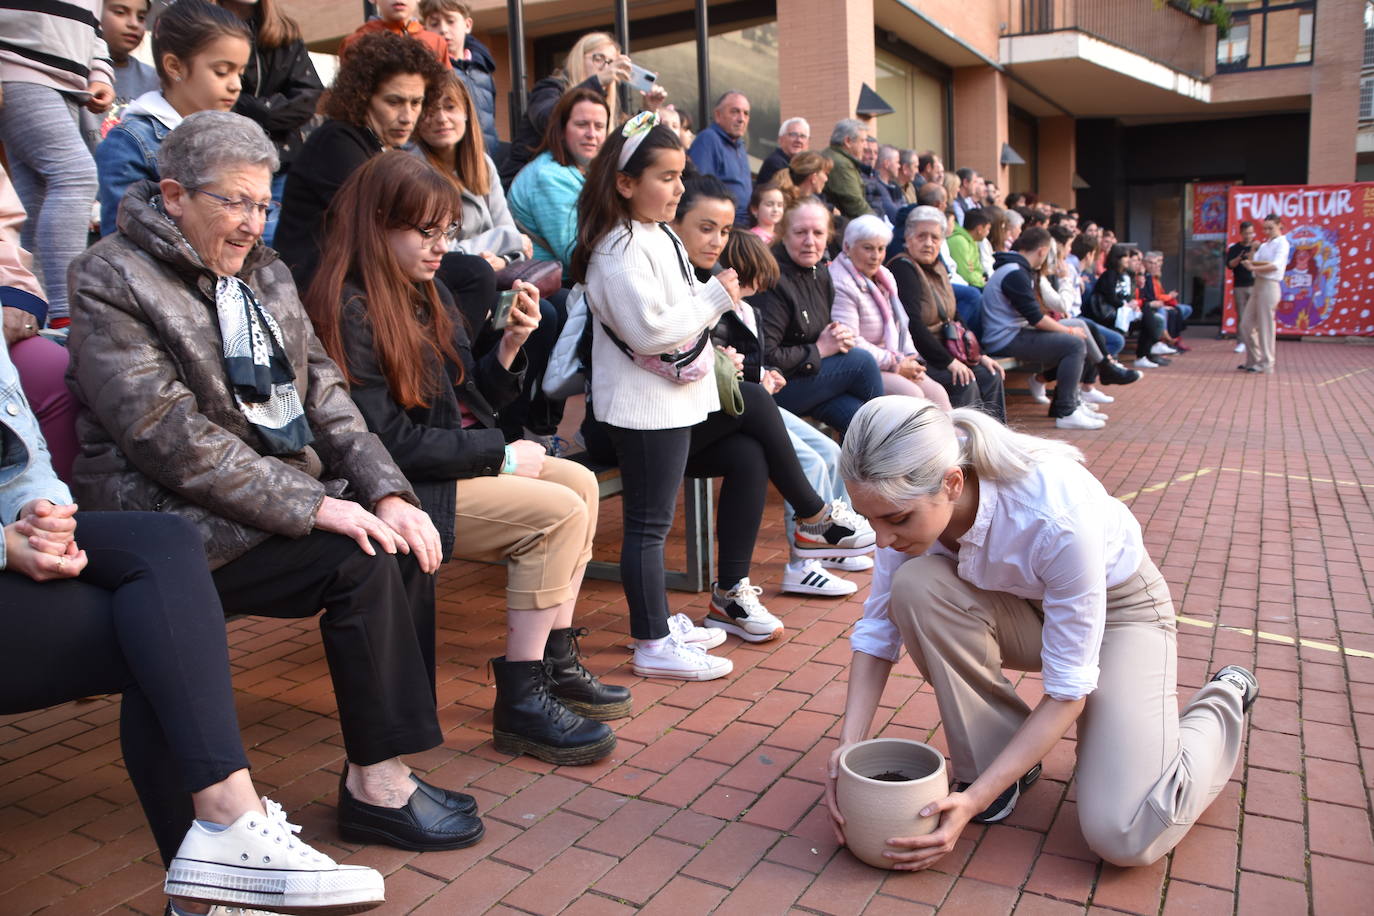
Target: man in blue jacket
(722, 150)
(1015, 325)
(452, 19)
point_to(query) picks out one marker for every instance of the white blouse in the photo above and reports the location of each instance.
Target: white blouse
(1275, 251)
(1055, 536)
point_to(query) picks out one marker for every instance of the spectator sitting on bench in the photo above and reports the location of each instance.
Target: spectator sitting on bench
(405, 350)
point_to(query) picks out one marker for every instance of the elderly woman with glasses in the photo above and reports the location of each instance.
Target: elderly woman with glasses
(206, 395)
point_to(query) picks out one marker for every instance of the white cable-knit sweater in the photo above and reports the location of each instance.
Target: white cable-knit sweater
(640, 285)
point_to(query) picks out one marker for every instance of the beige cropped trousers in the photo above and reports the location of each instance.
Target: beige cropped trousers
(1145, 773)
(541, 527)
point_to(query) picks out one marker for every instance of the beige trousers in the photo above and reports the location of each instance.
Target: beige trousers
(1258, 322)
(542, 527)
(1145, 774)
(1241, 294)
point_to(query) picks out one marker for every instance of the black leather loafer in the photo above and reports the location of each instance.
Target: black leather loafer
(461, 802)
(424, 824)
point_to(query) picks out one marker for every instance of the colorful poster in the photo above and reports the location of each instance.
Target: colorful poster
(1328, 288)
(1209, 209)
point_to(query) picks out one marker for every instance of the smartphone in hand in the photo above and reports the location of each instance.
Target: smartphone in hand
(500, 316)
(642, 79)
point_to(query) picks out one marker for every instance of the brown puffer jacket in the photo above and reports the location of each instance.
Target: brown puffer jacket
(161, 430)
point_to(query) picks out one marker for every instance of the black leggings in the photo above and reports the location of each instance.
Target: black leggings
(143, 620)
(747, 451)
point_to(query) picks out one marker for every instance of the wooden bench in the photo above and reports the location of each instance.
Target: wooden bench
(697, 507)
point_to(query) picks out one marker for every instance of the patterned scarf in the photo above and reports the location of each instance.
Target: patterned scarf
(259, 371)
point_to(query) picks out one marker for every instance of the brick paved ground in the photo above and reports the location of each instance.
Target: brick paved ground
(1255, 495)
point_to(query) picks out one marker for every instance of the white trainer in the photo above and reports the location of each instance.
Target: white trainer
(1145, 363)
(258, 861)
(1160, 348)
(847, 533)
(1078, 420)
(739, 611)
(1095, 396)
(1091, 410)
(1240, 347)
(808, 577)
(861, 563)
(681, 626)
(1037, 391)
(675, 659)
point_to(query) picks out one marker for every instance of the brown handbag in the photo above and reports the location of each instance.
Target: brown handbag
(546, 275)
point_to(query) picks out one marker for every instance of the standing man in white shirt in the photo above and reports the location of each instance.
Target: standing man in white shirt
(1268, 265)
(1000, 550)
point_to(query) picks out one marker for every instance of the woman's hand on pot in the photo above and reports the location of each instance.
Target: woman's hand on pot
(955, 811)
(832, 774)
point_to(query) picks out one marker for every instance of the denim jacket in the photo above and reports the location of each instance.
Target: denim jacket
(25, 470)
(128, 154)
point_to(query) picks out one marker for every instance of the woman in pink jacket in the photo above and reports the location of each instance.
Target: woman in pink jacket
(866, 302)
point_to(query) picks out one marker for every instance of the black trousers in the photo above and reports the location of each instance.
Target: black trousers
(986, 392)
(142, 620)
(746, 451)
(377, 626)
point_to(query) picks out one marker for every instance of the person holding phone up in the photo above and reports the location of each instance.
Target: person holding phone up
(405, 349)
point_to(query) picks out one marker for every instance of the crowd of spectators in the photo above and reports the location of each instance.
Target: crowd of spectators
(312, 337)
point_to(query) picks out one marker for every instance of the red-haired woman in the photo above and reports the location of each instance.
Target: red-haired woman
(401, 341)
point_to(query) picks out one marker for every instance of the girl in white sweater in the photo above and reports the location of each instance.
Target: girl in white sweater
(654, 396)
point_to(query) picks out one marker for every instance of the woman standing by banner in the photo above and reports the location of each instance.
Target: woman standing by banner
(1268, 266)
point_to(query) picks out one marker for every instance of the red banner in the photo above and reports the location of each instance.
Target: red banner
(1328, 288)
(1209, 209)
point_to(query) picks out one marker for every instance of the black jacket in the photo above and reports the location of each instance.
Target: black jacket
(1106, 298)
(776, 162)
(429, 444)
(476, 74)
(529, 133)
(331, 153)
(792, 316)
(280, 92)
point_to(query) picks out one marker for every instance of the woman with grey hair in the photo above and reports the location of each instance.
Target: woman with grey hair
(927, 293)
(207, 395)
(1001, 550)
(867, 302)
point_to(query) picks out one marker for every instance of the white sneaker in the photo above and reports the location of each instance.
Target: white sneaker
(848, 564)
(1240, 346)
(1160, 348)
(257, 861)
(1078, 420)
(1094, 396)
(739, 611)
(1091, 411)
(681, 626)
(1037, 391)
(847, 533)
(808, 577)
(675, 659)
(238, 911)
(1145, 363)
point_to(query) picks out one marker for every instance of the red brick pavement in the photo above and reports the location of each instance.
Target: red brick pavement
(1255, 497)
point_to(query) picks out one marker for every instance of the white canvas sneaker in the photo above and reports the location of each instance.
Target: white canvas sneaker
(681, 626)
(258, 861)
(1037, 390)
(1095, 396)
(673, 658)
(739, 611)
(1077, 420)
(808, 577)
(1145, 363)
(1160, 348)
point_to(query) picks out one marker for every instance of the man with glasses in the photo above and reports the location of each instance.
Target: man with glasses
(793, 136)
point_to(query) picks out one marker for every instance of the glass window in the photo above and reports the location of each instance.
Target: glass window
(1233, 50)
(746, 59)
(1304, 52)
(1367, 98)
(918, 100)
(1369, 34)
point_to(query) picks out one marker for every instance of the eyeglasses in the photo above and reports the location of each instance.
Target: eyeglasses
(451, 233)
(246, 209)
(601, 60)
(794, 135)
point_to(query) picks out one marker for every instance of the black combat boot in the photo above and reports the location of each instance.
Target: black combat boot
(575, 686)
(527, 719)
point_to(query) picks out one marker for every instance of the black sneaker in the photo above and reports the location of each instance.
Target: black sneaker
(1004, 804)
(1243, 680)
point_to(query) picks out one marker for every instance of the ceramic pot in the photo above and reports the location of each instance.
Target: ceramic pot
(875, 810)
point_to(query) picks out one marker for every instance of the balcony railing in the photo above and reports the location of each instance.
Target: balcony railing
(1163, 34)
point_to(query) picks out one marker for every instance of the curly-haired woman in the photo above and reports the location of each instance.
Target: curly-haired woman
(374, 105)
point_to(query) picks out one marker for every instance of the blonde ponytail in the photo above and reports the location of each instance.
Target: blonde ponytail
(902, 447)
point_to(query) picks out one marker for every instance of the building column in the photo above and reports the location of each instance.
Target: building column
(826, 54)
(980, 122)
(1057, 160)
(1337, 55)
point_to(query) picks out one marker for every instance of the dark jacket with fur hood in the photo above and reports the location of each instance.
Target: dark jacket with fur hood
(160, 430)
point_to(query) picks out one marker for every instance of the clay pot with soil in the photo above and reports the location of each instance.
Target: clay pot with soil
(882, 786)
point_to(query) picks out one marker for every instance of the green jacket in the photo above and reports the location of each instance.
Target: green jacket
(964, 250)
(845, 187)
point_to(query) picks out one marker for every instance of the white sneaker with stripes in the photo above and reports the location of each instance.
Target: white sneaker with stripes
(808, 577)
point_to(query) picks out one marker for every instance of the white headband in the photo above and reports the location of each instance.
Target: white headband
(634, 132)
